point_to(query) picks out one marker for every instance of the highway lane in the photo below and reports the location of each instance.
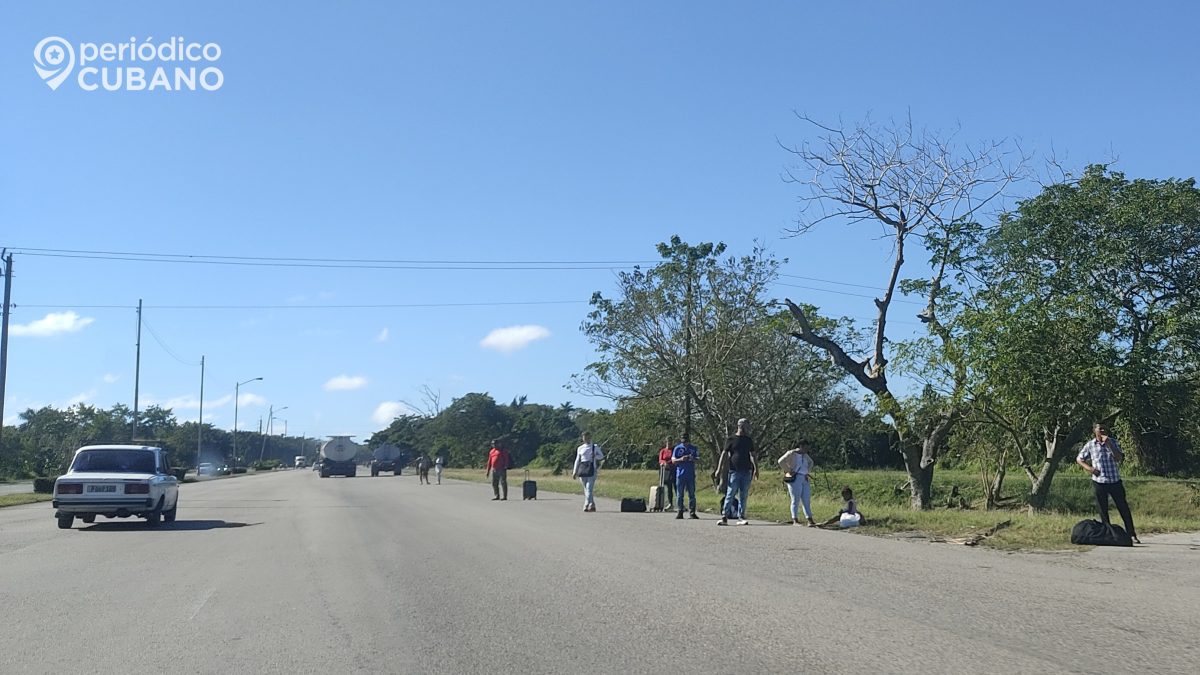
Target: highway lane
(289, 573)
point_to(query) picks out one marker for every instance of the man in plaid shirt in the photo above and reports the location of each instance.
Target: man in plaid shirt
(1100, 457)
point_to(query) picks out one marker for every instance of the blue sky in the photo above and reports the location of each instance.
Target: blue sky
(485, 131)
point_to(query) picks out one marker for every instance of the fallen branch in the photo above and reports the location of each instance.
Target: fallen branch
(976, 537)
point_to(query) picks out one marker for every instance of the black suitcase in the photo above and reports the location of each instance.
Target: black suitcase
(528, 487)
(633, 505)
(1096, 533)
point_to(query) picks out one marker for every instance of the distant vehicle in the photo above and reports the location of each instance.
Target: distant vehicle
(387, 458)
(337, 457)
(206, 469)
(301, 462)
(117, 481)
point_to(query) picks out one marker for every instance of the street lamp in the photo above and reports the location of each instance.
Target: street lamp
(270, 418)
(236, 389)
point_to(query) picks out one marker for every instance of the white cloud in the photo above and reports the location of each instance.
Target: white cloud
(250, 399)
(389, 410)
(345, 383)
(383, 336)
(512, 338)
(110, 378)
(54, 323)
(82, 397)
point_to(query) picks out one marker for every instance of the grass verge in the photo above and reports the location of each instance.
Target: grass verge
(1158, 504)
(23, 498)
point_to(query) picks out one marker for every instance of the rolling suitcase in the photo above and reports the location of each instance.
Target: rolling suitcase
(528, 487)
(633, 505)
(656, 498)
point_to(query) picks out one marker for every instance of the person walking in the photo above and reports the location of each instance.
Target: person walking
(438, 465)
(497, 465)
(1099, 457)
(742, 470)
(423, 469)
(666, 471)
(588, 459)
(797, 465)
(684, 458)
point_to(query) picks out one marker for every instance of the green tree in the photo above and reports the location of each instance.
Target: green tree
(1115, 263)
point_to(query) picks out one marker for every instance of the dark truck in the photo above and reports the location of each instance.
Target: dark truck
(387, 458)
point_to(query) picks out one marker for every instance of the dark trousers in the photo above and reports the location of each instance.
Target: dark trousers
(500, 481)
(1117, 492)
(666, 477)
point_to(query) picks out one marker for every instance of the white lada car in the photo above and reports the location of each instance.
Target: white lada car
(117, 481)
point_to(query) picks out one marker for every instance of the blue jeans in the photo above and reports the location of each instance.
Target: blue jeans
(686, 482)
(739, 487)
(589, 485)
(801, 492)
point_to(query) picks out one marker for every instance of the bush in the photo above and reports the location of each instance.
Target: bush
(239, 469)
(266, 465)
(43, 485)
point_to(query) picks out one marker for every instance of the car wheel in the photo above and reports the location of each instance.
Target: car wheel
(169, 516)
(374, 473)
(352, 474)
(65, 521)
(153, 518)
(89, 518)
(324, 475)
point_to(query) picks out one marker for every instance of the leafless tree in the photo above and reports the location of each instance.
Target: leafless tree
(922, 190)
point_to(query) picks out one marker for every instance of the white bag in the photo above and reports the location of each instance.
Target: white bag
(849, 520)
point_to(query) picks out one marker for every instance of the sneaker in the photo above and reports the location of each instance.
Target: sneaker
(504, 499)
(743, 522)
(495, 499)
(679, 516)
(723, 521)
(811, 522)
(694, 516)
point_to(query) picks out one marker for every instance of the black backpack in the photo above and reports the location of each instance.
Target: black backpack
(1096, 533)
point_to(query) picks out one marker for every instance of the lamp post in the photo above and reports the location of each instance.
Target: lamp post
(236, 391)
(270, 416)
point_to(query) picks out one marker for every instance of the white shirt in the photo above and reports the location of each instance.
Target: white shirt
(589, 452)
(794, 461)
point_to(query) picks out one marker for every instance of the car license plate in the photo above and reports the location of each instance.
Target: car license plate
(99, 489)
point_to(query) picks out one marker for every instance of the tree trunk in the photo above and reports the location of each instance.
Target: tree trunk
(1039, 490)
(920, 479)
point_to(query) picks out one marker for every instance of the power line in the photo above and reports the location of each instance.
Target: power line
(855, 295)
(163, 344)
(333, 263)
(415, 305)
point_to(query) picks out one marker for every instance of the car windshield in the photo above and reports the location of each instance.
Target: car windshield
(117, 461)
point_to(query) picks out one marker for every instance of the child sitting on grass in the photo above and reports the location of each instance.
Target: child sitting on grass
(849, 515)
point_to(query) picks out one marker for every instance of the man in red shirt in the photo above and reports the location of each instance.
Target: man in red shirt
(666, 470)
(497, 465)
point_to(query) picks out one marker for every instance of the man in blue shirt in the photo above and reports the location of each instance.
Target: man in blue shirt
(684, 459)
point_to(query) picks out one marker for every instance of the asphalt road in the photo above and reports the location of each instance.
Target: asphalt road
(289, 573)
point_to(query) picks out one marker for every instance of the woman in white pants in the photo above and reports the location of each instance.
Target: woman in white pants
(796, 465)
(588, 458)
(438, 465)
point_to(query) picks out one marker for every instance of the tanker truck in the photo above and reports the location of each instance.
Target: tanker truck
(387, 458)
(337, 457)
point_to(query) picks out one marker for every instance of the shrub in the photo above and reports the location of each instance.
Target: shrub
(266, 465)
(43, 485)
(239, 469)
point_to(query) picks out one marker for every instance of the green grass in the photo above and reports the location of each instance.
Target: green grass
(23, 498)
(1158, 504)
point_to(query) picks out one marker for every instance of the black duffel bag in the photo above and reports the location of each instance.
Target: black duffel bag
(1096, 533)
(633, 505)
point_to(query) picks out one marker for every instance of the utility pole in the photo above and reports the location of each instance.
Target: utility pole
(4, 334)
(270, 416)
(200, 424)
(687, 352)
(137, 371)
